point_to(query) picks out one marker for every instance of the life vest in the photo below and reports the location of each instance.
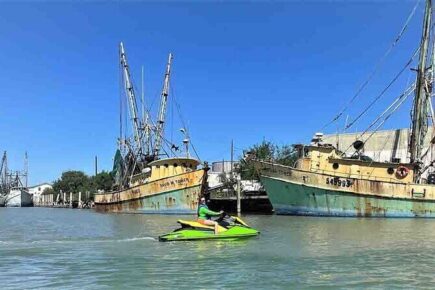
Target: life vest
(199, 208)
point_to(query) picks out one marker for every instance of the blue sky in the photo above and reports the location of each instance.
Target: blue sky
(242, 71)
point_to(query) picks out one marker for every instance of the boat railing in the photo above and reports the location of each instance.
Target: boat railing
(356, 176)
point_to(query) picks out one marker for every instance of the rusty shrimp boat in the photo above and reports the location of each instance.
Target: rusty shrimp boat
(327, 182)
(148, 177)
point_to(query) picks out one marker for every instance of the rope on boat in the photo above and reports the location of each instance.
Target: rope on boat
(180, 116)
(385, 89)
(376, 68)
(405, 94)
(387, 113)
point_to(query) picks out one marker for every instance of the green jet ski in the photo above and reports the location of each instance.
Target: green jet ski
(229, 228)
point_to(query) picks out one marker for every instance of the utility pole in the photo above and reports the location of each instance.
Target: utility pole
(96, 165)
(239, 204)
(237, 177)
(232, 156)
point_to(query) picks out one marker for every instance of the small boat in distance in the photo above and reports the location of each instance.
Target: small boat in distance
(13, 190)
(144, 181)
(18, 197)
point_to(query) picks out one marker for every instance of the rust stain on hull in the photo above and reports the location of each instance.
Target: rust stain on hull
(176, 194)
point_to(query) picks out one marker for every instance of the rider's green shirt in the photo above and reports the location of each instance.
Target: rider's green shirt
(204, 213)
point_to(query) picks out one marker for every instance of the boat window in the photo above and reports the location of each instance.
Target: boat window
(306, 152)
(166, 165)
(390, 170)
(157, 166)
(175, 164)
(335, 165)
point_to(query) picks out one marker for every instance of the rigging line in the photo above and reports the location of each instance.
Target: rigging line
(395, 105)
(169, 144)
(384, 90)
(377, 66)
(177, 105)
(408, 91)
(379, 156)
(166, 153)
(387, 117)
(172, 119)
(196, 153)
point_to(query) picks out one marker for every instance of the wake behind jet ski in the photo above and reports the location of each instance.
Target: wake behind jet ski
(228, 227)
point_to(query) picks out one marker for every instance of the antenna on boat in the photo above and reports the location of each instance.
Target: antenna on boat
(26, 169)
(186, 141)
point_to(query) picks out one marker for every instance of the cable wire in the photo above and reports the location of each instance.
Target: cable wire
(384, 90)
(377, 67)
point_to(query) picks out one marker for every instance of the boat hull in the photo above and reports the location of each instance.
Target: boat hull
(290, 198)
(293, 191)
(172, 195)
(18, 198)
(234, 233)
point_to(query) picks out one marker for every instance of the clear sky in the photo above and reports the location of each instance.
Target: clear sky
(242, 71)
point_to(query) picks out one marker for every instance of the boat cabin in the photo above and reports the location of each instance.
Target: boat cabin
(163, 168)
(328, 160)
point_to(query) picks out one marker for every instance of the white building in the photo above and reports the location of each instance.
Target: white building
(37, 191)
(383, 145)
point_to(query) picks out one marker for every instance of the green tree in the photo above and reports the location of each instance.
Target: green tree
(48, 190)
(102, 181)
(266, 150)
(286, 155)
(72, 181)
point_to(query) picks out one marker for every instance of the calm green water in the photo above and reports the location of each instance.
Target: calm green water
(62, 248)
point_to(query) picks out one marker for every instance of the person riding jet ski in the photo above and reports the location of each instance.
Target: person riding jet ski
(204, 215)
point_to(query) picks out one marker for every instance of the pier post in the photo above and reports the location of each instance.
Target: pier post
(80, 200)
(239, 209)
(64, 198)
(70, 199)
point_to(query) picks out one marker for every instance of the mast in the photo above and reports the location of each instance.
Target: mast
(131, 98)
(162, 110)
(26, 170)
(422, 94)
(3, 174)
(145, 119)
